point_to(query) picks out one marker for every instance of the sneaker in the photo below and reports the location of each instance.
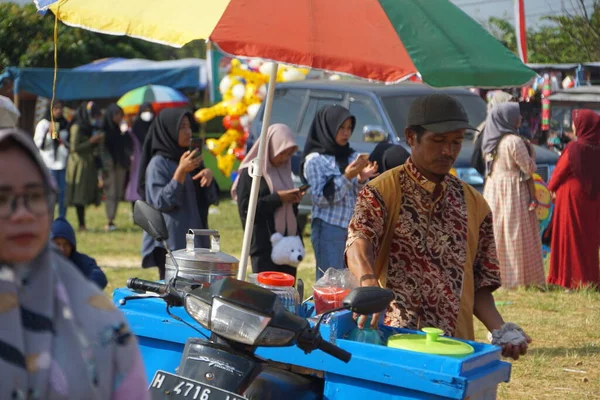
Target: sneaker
(110, 227)
(82, 228)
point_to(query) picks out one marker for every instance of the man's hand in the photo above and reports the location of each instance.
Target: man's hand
(514, 351)
(361, 262)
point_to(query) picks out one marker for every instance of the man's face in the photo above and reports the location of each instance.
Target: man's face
(25, 231)
(64, 246)
(435, 153)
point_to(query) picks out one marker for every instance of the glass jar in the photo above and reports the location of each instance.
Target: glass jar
(282, 285)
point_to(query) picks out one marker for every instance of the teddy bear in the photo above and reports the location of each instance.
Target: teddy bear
(287, 250)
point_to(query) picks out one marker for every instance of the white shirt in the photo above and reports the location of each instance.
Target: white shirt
(47, 152)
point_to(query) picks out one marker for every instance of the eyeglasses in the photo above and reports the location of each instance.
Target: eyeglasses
(36, 201)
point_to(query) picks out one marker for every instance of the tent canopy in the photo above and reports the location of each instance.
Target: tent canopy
(108, 78)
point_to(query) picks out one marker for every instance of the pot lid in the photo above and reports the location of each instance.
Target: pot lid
(201, 255)
(430, 343)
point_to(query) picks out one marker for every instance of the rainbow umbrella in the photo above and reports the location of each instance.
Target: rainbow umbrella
(159, 96)
(382, 40)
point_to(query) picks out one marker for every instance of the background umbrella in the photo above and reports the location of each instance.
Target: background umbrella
(159, 96)
(384, 40)
(9, 115)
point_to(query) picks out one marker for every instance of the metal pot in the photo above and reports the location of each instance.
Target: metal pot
(202, 265)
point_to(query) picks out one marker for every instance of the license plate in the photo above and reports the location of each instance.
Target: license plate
(169, 386)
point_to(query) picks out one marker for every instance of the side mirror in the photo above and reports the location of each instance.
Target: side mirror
(374, 134)
(150, 220)
(368, 300)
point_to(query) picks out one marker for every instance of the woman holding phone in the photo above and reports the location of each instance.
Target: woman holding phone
(277, 207)
(336, 173)
(173, 179)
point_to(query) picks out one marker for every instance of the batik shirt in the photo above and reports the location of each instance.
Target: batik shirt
(428, 250)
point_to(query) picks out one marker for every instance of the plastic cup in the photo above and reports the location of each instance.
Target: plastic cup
(327, 298)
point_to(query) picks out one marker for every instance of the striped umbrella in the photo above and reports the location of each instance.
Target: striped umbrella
(159, 96)
(383, 40)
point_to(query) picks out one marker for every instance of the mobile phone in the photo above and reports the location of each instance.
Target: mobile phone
(196, 143)
(303, 188)
(364, 156)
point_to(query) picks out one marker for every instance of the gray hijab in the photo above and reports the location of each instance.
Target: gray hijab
(501, 120)
(65, 338)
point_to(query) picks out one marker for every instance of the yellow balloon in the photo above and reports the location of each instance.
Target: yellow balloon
(225, 164)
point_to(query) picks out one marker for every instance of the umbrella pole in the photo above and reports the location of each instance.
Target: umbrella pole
(256, 172)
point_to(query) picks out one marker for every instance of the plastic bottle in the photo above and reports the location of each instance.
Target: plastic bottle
(282, 285)
(365, 335)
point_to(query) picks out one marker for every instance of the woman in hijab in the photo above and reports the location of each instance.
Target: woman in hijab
(335, 173)
(115, 160)
(66, 339)
(54, 149)
(575, 227)
(276, 210)
(137, 135)
(477, 159)
(172, 179)
(82, 169)
(516, 229)
(388, 156)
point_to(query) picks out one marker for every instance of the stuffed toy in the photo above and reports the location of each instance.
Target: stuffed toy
(287, 250)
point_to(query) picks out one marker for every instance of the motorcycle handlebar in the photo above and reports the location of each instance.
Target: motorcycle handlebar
(147, 286)
(335, 351)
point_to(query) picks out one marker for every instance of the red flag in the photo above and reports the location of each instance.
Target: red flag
(521, 30)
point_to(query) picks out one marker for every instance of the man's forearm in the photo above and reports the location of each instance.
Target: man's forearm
(361, 262)
(485, 309)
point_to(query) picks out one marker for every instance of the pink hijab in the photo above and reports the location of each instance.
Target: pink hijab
(279, 139)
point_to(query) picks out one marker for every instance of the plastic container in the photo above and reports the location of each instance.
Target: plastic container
(431, 343)
(327, 298)
(365, 335)
(283, 285)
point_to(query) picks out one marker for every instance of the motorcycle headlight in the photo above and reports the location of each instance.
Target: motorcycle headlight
(469, 176)
(198, 309)
(236, 323)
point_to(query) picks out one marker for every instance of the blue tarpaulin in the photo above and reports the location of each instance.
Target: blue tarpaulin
(108, 78)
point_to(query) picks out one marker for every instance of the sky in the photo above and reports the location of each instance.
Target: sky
(481, 10)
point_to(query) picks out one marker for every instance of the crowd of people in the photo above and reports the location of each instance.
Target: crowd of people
(395, 219)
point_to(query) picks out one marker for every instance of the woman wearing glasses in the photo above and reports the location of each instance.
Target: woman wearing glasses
(66, 340)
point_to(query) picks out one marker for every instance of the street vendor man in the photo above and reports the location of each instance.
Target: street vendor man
(423, 233)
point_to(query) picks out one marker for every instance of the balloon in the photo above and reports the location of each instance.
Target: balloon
(231, 121)
(253, 110)
(238, 91)
(239, 153)
(243, 89)
(225, 163)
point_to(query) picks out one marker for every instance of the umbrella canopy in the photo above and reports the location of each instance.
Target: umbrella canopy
(9, 115)
(159, 96)
(383, 40)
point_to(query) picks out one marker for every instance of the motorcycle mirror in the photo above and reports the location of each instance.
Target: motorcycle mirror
(368, 300)
(150, 220)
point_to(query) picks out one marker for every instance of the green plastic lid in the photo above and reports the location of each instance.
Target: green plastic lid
(431, 343)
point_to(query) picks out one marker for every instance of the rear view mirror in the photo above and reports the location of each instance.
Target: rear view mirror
(150, 220)
(368, 300)
(374, 134)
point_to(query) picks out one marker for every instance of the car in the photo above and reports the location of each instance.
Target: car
(381, 112)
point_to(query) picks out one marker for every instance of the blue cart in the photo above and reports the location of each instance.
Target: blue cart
(375, 372)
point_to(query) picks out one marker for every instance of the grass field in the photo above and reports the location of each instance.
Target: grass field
(563, 361)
